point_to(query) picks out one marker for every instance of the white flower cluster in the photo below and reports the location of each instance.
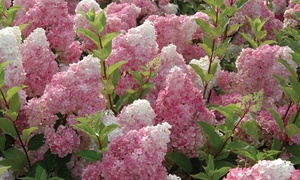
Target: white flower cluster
(143, 34)
(10, 41)
(276, 170)
(137, 115)
(37, 38)
(86, 5)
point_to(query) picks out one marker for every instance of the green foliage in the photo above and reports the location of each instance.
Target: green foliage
(90, 155)
(92, 126)
(143, 78)
(7, 16)
(211, 172)
(181, 160)
(217, 35)
(257, 25)
(14, 158)
(36, 142)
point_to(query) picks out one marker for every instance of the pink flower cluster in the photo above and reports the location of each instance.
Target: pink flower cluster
(181, 105)
(169, 58)
(120, 18)
(180, 31)
(137, 47)
(76, 91)
(137, 155)
(57, 23)
(38, 62)
(270, 127)
(290, 19)
(62, 141)
(266, 169)
(256, 68)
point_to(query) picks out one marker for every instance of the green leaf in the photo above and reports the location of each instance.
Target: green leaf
(249, 39)
(90, 155)
(276, 144)
(108, 86)
(243, 149)
(201, 175)
(181, 160)
(213, 68)
(277, 118)
(50, 160)
(292, 130)
(99, 23)
(295, 160)
(207, 49)
(137, 77)
(2, 142)
(113, 67)
(14, 106)
(40, 173)
(64, 173)
(12, 92)
(220, 172)
(205, 27)
(4, 64)
(295, 84)
(199, 71)
(233, 28)
(281, 81)
(252, 128)
(107, 129)
(108, 38)
(3, 169)
(293, 149)
(85, 128)
(229, 111)
(289, 67)
(214, 137)
(14, 158)
(27, 132)
(8, 127)
(36, 142)
(269, 42)
(91, 35)
(240, 3)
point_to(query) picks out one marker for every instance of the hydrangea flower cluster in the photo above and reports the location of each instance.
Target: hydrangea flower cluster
(38, 61)
(137, 47)
(290, 19)
(181, 105)
(137, 115)
(136, 155)
(120, 18)
(10, 41)
(266, 169)
(62, 141)
(169, 58)
(57, 23)
(256, 68)
(79, 87)
(270, 127)
(178, 30)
